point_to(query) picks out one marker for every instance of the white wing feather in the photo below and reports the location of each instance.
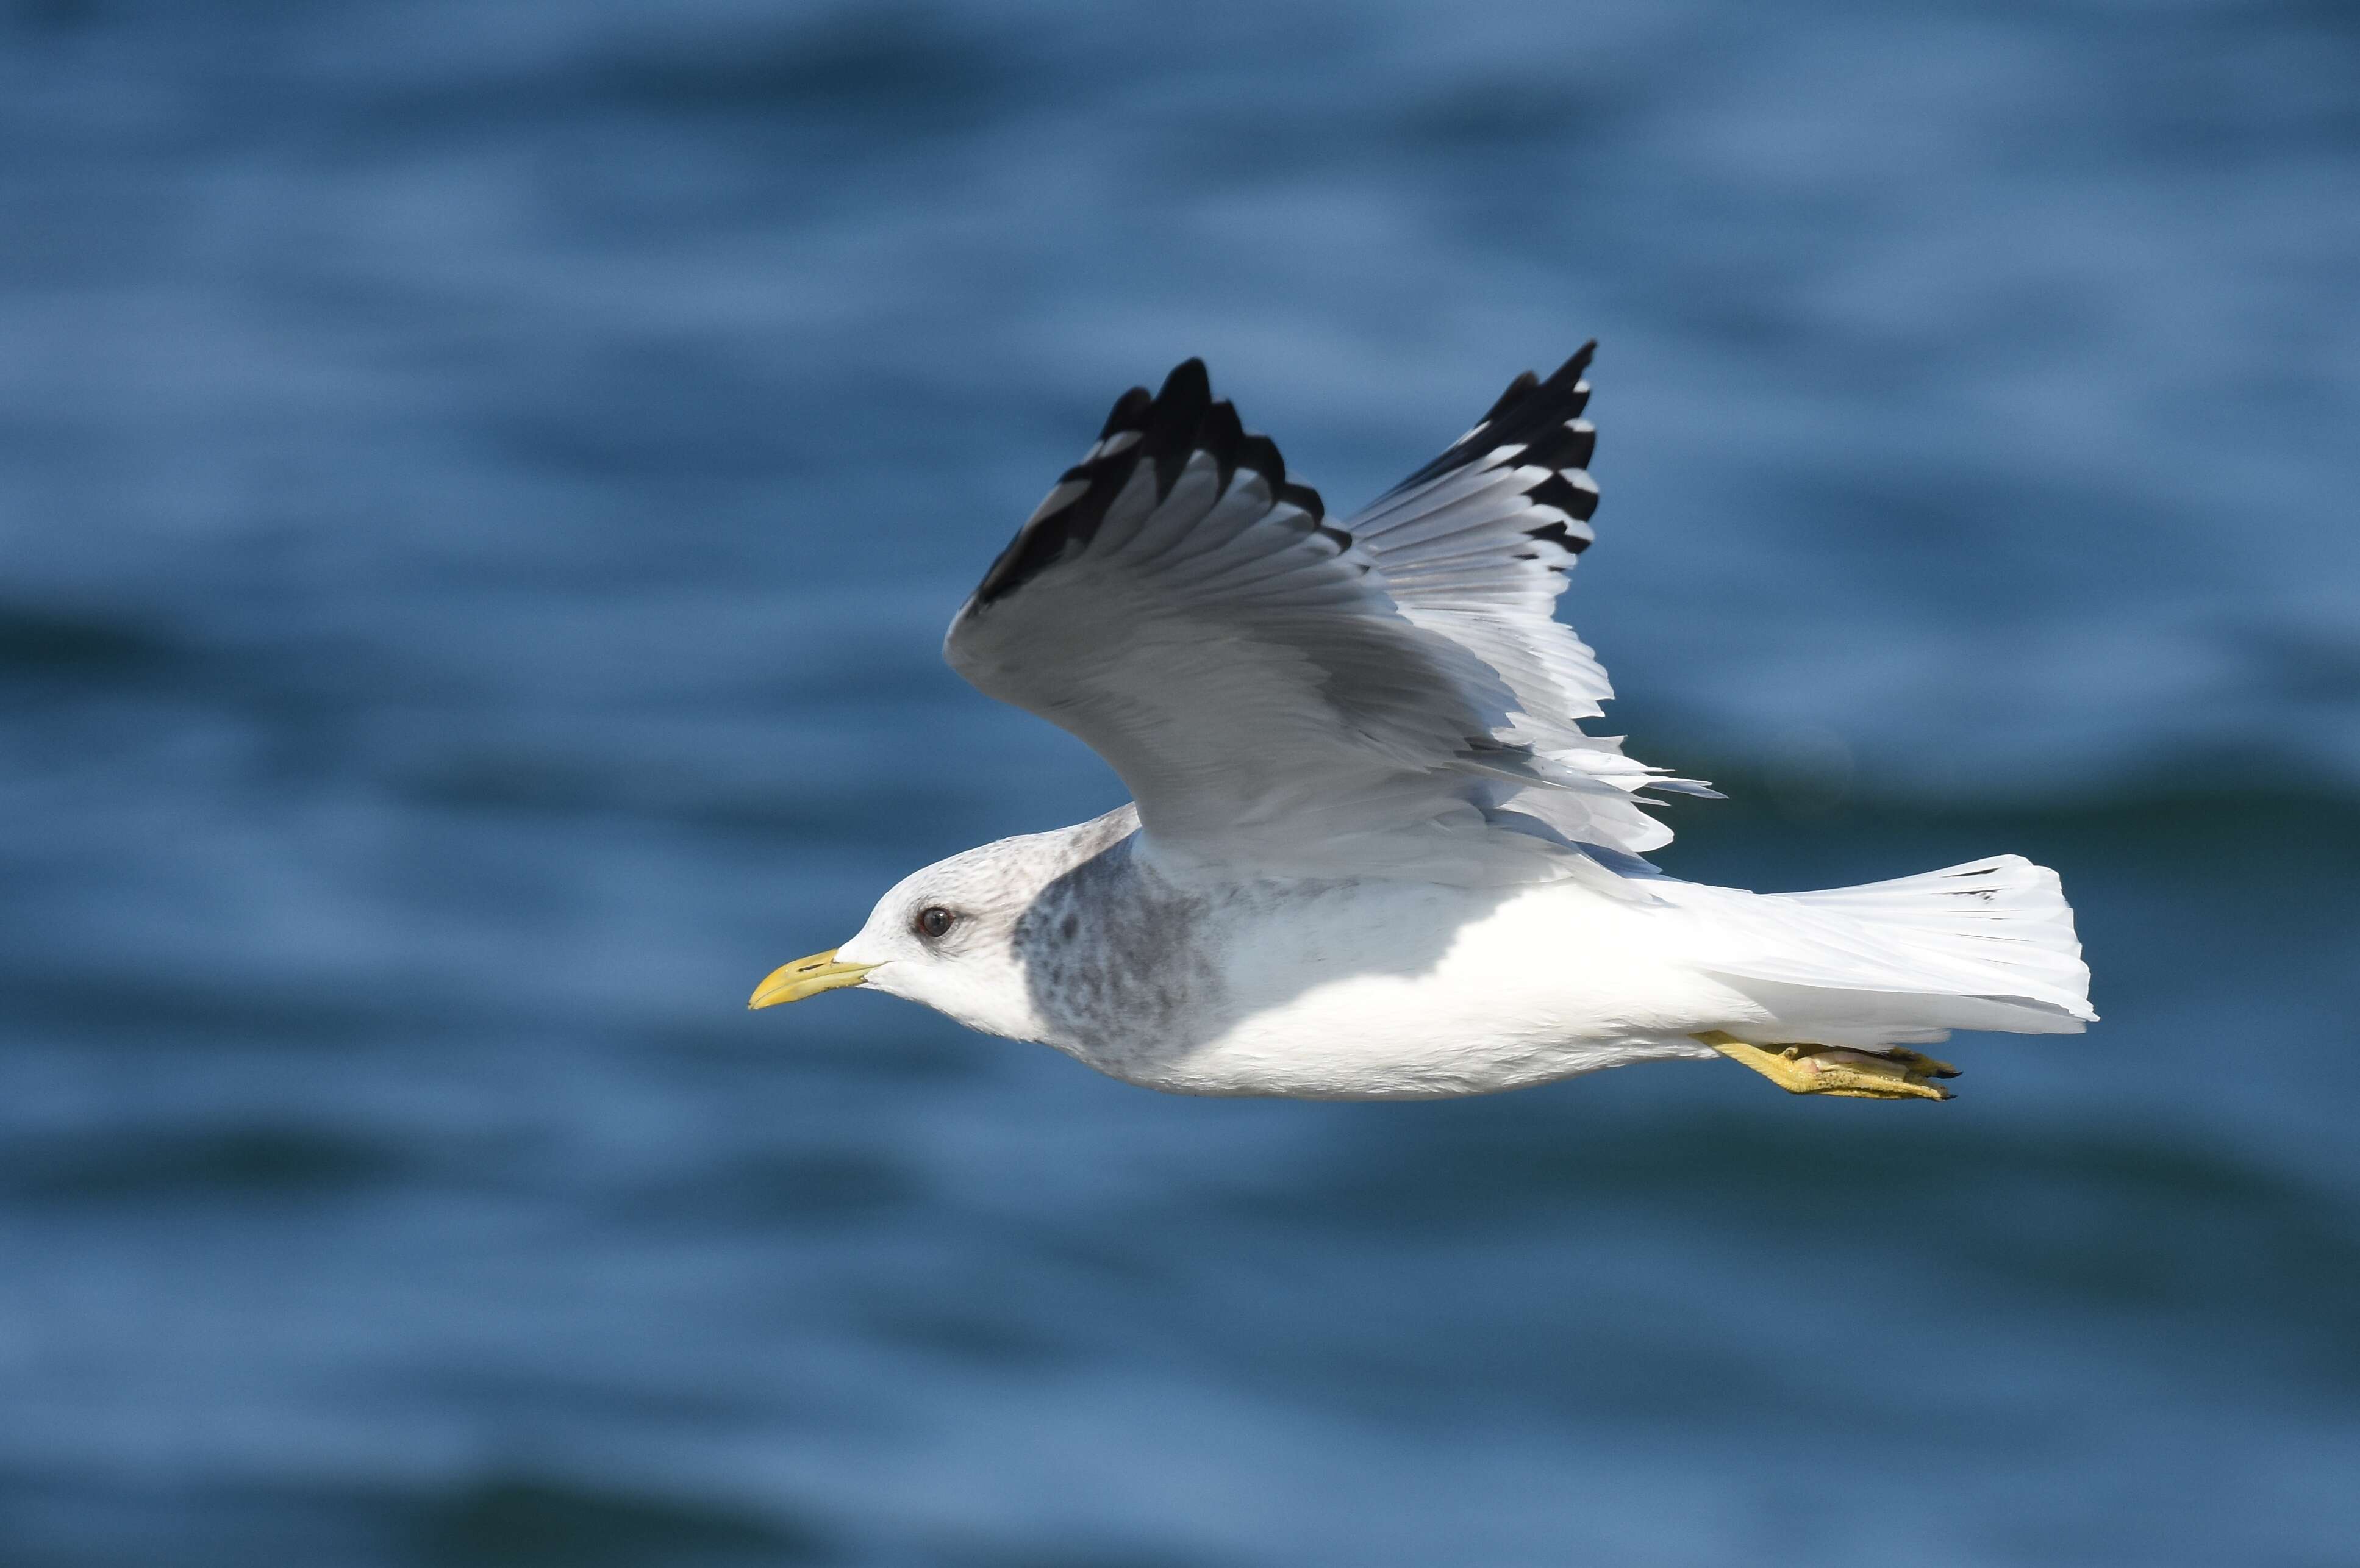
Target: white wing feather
(1477, 546)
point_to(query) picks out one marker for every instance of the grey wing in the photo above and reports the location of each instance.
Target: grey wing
(1188, 612)
(1477, 547)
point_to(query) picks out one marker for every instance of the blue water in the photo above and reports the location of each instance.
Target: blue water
(481, 485)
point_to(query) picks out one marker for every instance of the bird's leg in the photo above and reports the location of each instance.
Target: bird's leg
(1892, 1073)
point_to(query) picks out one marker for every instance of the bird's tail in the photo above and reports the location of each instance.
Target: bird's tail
(1986, 944)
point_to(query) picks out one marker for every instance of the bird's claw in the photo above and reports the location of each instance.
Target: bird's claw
(1892, 1073)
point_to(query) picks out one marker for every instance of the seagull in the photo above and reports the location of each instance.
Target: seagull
(1372, 853)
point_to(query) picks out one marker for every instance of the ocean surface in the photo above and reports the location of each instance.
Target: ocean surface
(481, 487)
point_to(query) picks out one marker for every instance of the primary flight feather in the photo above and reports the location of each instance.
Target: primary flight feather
(1372, 853)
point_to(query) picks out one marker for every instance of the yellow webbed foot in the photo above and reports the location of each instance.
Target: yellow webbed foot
(1892, 1073)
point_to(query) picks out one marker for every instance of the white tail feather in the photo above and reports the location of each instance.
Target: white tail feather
(1987, 944)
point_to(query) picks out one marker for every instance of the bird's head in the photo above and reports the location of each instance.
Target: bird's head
(946, 936)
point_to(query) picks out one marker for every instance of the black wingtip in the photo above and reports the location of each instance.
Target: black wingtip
(1129, 412)
(1224, 437)
(1517, 389)
(1558, 382)
(1534, 413)
(1181, 419)
(1170, 433)
(1305, 500)
(1571, 371)
(1260, 454)
(1188, 381)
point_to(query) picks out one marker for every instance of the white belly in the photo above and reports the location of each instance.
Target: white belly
(1389, 990)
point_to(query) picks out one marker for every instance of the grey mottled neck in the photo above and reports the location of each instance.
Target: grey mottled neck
(1112, 952)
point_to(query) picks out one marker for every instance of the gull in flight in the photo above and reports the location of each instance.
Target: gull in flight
(1371, 852)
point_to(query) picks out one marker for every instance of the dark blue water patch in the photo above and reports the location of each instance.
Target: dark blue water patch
(2309, 664)
(799, 1187)
(695, 416)
(1508, 110)
(1470, 1164)
(868, 1044)
(639, 1395)
(47, 645)
(1059, 1551)
(115, 1005)
(514, 1521)
(40, 17)
(159, 1167)
(520, 1519)
(2190, 816)
(1942, 524)
(509, 777)
(872, 82)
(907, 71)
(960, 1334)
(2072, 1219)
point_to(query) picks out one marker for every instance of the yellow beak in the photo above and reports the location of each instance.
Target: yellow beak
(806, 977)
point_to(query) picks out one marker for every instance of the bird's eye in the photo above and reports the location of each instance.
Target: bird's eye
(933, 920)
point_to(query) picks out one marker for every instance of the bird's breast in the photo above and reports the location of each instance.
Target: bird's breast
(1375, 989)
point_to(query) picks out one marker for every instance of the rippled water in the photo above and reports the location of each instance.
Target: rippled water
(481, 485)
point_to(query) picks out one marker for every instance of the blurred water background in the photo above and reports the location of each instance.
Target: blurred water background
(481, 485)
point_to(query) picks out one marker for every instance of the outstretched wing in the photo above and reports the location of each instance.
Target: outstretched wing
(1250, 672)
(1477, 546)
